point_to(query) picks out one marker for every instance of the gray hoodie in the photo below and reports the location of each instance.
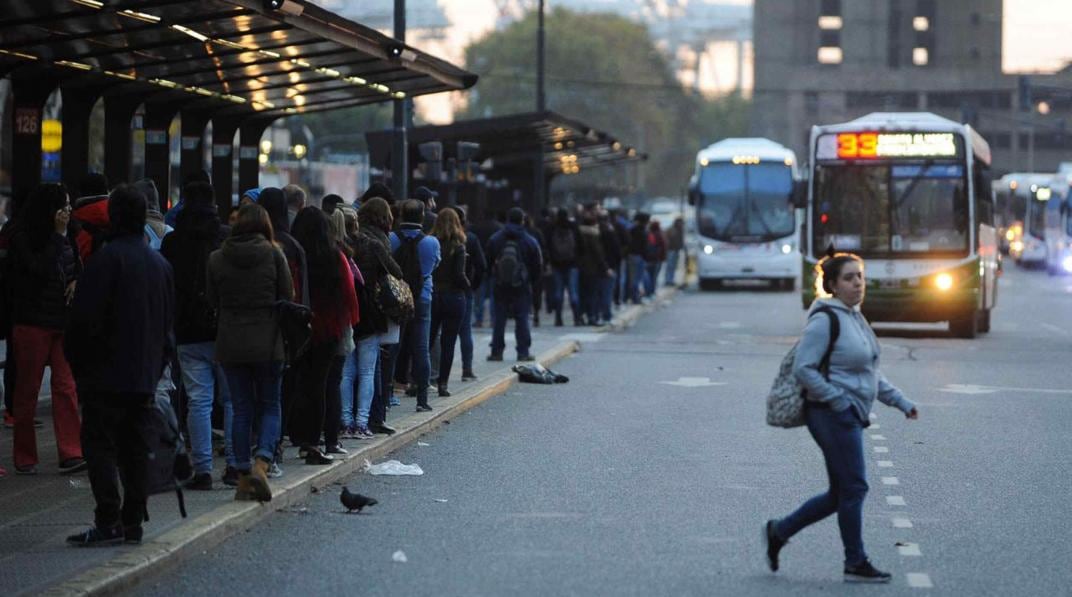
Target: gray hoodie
(854, 379)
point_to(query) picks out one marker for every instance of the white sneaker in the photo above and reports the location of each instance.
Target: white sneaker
(274, 471)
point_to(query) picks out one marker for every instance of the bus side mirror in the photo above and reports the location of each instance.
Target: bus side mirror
(799, 196)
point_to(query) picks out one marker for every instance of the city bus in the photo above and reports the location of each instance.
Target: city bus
(1022, 198)
(911, 194)
(1058, 234)
(745, 223)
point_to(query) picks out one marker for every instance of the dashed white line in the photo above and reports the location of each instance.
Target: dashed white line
(878, 438)
(895, 500)
(890, 481)
(901, 523)
(885, 463)
(919, 580)
(909, 549)
(881, 449)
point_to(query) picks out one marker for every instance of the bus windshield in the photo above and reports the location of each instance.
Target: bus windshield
(745, 203)
(886, 209)
(1036, 225)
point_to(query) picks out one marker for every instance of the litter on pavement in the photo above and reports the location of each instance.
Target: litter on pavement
(392, 467)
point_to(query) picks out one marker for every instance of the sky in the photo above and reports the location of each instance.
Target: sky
(1037, 38)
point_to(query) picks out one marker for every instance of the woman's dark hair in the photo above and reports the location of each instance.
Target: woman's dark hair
(330, 202)
(271, 199)
(830, 267)
(126, 211)
(313, 232)
(253, 219)
(376, 212)
(38, 214)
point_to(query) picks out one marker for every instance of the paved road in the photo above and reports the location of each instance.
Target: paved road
(619, 484)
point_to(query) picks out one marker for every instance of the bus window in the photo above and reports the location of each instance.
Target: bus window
(984, 199)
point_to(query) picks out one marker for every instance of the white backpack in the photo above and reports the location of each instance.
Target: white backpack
(785, 402)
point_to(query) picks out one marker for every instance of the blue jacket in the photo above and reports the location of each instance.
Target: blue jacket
(854, 377)
(119, 335)
(427, 251)
(530, 249)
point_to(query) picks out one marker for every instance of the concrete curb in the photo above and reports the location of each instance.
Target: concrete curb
(631, 315)
(212, 528)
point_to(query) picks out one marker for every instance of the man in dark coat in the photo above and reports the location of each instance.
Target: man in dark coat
(513, 252)
(118, 340)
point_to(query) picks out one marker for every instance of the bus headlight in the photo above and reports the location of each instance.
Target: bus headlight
(943, 282)
(1066, 263)
(787, 249)
(708, 249)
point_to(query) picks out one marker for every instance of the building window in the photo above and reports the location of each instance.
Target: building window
(830, 23)
(920, 56)
(921, 24)
(829, 55)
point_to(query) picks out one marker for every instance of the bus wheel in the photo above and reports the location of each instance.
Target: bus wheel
(964, 327)
(984, 321)
(710, 283)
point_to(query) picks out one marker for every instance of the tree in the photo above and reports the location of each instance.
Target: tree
(604, 70)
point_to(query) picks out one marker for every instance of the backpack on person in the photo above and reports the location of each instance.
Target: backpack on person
(168, 461)
(510, 271)
(785, 402)
(409, 259)
(563, 244)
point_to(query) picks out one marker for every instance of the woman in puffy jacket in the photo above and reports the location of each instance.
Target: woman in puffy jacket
(247, 276)
(45, 268)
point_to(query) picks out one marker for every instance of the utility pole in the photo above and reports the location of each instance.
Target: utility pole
(399, 146)
(539, 192)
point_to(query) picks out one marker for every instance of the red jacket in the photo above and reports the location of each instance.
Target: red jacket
(329, 317)
(92, 216)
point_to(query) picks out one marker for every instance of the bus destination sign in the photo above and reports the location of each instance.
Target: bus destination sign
(867, 146)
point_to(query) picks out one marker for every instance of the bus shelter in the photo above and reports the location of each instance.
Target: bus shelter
(499, 162)
(239, 64)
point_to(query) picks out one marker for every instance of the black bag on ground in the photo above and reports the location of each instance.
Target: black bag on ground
(168, 464)
(537, 373)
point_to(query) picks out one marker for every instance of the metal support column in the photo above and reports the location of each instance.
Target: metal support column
(158, 117)
(539, 198)
(192, 151)
(119, 108)
(78, 103)
(249, 138)
(223, 133)
(30, 89)
(399, 144)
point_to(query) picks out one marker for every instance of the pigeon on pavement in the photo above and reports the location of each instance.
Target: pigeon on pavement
(355, 501)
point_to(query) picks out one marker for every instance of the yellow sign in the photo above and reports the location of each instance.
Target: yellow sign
(51, 136)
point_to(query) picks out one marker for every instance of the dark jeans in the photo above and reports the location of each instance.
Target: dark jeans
(10, 370)
(381, 393)
(308, 411)
(515, 305)
(414, 336)
(465, 334)
(333, 401)
(840, 437)
(591, 295)
(115, 444)
(566, 282)
(448, 310)
(255, 397)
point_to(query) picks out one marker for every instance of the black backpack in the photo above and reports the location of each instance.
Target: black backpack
(510, 270)
(409, 259)
(563, 244)
(168, 462)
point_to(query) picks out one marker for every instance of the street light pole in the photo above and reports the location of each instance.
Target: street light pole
(399, 149)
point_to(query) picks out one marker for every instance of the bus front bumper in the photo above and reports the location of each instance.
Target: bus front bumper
(742, 265)
(919, 306)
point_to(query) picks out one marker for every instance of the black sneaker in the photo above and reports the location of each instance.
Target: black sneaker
(132, 534)
(495, 356)
(866, 573)
(468, 375)
(381, 429)
(230, 477)
(774, 545)
(96, 536)
(423, 408)
(199, 482)
(73, 465)
(525, 358)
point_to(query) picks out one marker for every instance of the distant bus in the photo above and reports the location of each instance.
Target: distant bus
(745, 223)
(1058, 234)
(1021, 207)
(911, 194)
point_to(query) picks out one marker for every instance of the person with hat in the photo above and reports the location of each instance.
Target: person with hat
(428, 198)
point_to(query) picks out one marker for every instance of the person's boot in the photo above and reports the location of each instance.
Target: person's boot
(443, 391)
(468, 375)
(245, 491)
(536, 318)
(259, 480)
(558, 319)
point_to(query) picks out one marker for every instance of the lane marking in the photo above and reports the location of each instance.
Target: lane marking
(693, 382)
(890, 481)
(885, 463)
(875, 426)
(878, 438)
(919, 580)
(1055, 329)
(895, 500)
(959, 388)
(909, 550)
(881, 449)
(873, 416)
(901, 523)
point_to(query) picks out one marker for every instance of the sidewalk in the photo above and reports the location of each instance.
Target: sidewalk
(38, 512)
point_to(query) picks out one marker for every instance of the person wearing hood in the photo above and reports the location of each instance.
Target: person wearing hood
(247, 276)
(514, 258)
(118, 343)
(155, 227)
(90, 212)
(837, 409)
(198, 233)
(172, 215)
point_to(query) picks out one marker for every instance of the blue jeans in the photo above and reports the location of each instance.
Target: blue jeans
(465, 334)
(607, 296)
(346, 390)
(636, 277)
(255, 392)
(201, 375)
(415, 334)
(671, 266)
(367, 359)
(840, 437)
(566, 279)
(448, 310)
(651, 277)
(517, 306)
